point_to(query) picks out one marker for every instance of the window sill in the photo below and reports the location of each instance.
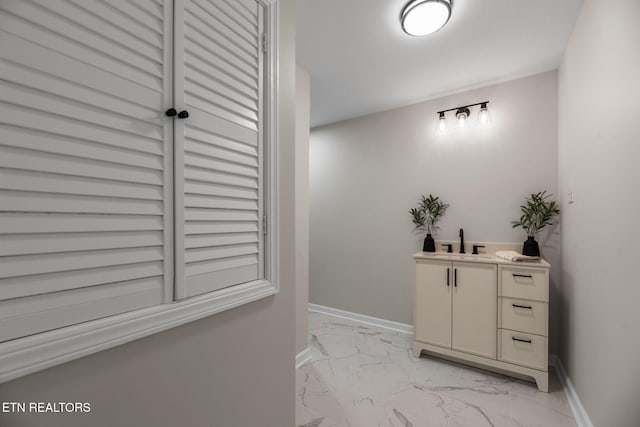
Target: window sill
(37, 352)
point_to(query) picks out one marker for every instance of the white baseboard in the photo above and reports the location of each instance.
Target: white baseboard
(303, 357)
(361, 318)
(579, 413)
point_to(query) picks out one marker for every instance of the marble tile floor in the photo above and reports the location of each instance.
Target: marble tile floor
(364, 376)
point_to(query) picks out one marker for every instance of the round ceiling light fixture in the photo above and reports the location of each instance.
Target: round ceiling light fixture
(422, 17)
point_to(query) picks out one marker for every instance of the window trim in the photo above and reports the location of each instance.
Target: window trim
(33, 353)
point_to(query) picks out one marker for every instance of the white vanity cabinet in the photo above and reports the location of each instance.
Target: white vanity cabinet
(455, 306)
(485, 312)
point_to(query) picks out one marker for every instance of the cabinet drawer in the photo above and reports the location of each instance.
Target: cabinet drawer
(523, 349)
(525, 283)
(523, 315)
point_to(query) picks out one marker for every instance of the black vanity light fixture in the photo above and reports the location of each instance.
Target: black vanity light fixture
(422, 17)
(462, 115)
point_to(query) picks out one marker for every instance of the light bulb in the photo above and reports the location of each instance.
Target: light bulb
(442, 122)
(462, 114)
(483, 115)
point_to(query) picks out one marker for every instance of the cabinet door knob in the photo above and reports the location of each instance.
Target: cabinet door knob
(171, 112)
(183, 114)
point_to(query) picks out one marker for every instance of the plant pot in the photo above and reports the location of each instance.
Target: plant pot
(530, 247)
(429, 244)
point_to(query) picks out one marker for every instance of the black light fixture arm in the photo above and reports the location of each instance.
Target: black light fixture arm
(484, 104)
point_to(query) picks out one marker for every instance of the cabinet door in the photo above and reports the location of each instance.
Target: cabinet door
(432, 307)
(219, 147)
(475, 294)
(85, 156)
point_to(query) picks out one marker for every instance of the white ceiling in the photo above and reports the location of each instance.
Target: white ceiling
(361, 61)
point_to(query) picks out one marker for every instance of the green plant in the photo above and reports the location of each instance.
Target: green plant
(428, 213)
(537, 213)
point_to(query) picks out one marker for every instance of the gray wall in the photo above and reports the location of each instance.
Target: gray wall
(366, 173)
(599, 150)
(234, 369)
(303, 89)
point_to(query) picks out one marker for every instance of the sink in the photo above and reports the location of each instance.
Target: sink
(462, 257)
(471, 257)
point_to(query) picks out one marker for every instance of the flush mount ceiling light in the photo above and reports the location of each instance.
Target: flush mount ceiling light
(422, 17)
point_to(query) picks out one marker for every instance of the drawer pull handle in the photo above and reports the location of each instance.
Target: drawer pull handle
(528, 307)
(528, 276)
(448, 277)
(521, 340)
(455, 277)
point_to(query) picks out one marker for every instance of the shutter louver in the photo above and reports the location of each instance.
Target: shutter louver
(83, 167)
(218, 148)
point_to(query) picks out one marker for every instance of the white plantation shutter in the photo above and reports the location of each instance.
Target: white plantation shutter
(85, 161)
(110, 208)
(219, 200)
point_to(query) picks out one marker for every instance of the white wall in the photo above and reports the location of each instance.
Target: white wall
(233, 369)
(599, 147)
(303, 89)
(366, 173)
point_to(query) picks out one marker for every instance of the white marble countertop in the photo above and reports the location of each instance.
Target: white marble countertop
(486, 258)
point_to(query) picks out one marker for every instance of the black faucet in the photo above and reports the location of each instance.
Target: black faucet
(461, 241)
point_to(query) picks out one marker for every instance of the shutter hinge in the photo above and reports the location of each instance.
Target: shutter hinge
(264, 42)
(264, 225)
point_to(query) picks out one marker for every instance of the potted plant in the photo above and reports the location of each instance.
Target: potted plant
(537, 213)
(425, 216)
